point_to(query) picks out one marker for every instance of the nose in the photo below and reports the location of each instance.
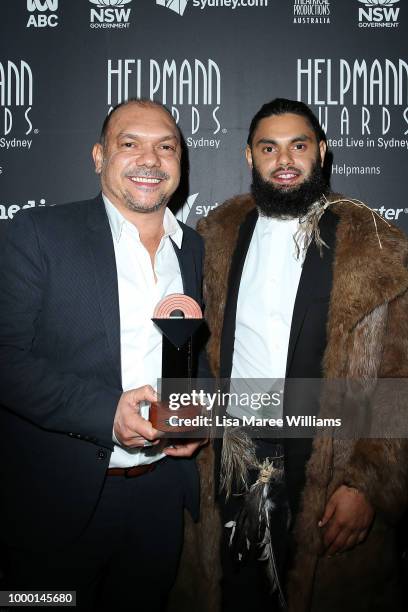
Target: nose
(148, 157)
(285, 157)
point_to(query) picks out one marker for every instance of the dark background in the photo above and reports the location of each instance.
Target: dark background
(256, 50)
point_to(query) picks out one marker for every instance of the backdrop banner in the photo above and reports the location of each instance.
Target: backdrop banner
(65, 63)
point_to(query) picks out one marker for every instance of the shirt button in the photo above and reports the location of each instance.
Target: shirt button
(101, 454)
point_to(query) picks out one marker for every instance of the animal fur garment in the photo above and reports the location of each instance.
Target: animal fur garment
(367, 338)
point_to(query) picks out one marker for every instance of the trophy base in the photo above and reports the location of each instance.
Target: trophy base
(186, 419)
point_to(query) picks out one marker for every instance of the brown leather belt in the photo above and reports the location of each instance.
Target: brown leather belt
(132, 472)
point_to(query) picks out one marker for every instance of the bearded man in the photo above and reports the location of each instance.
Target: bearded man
(301, 283)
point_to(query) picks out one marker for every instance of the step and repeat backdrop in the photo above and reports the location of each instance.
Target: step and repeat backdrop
(65, 63)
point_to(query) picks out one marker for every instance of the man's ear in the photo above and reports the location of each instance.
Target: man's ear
(323, 150)
(97, 154)
(248, 155)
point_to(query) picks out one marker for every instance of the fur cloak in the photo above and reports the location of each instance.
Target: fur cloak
(367, 338)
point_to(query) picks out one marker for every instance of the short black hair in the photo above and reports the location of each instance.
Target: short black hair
(143, 102)
(281, 106)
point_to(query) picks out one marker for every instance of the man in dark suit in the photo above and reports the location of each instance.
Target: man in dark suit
(303, 284)
(91, 499)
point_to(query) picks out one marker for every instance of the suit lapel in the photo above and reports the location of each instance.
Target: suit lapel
(103, 255)
(315, 281)
(188, 268)
(237, 264)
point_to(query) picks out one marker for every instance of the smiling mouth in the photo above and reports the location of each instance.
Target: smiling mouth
(145, 181)
(285, 176)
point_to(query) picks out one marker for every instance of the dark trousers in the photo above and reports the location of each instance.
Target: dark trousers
(127, 558)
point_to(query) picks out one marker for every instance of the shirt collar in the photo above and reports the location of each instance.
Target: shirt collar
(172, 227)
(117, 221)
(267, 224)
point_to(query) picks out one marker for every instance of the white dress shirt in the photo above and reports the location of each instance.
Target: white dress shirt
(266, 298)
(139, 292)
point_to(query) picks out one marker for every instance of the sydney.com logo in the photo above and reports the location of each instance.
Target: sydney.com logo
(179, 6)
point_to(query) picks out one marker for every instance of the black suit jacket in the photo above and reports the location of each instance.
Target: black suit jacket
(60, 371)
(307, 340)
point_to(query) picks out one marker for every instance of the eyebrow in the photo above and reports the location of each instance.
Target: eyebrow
(300, 138)
(159, 139)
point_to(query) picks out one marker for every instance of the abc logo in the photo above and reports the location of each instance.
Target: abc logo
(42, 20)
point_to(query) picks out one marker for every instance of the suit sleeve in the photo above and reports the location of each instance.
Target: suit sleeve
(31, 386)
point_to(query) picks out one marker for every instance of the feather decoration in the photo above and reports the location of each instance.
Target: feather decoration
(309, 230)
(273, 506)
(265, 511)
(238, 456)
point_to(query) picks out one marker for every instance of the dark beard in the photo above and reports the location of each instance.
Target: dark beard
(288, 203)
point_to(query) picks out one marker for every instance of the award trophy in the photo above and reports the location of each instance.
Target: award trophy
(178, 317)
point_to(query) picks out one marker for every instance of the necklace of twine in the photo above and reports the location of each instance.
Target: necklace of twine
(309, 224)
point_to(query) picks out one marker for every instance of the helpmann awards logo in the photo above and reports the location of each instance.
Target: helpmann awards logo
(16, 102)
(191, 88)
(378, 14)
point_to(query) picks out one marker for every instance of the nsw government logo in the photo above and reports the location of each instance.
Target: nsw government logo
(110, 14)
(42, 13)
(378, 14)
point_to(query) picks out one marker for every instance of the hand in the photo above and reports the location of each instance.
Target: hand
(130, 428)
(348, 516)
(185, 449)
